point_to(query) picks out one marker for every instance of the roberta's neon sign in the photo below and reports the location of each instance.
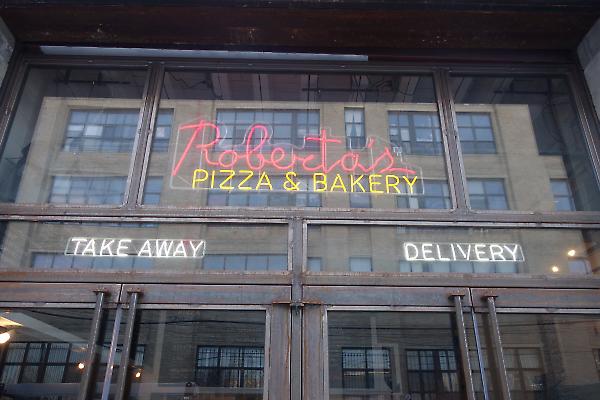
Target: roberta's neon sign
(204, 162)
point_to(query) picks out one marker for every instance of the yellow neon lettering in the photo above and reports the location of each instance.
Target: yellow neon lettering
(290, 185)
(410, 184)
(264, 176)
(227, 179)
(197, 179)
(373, 183)
(388, 184)
(356, 182)
(338, 182)
(212, 179)
(322, 182)
(250, 174)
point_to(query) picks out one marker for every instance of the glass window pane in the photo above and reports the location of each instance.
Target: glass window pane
(371, 353)
(142, 246)
(36, 361)
(525, 130)
(66, 117)
(288, 118)
(344, 248)
(210, 354)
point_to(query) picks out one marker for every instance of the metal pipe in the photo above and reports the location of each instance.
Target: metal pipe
(464, 347)
(498, 352)
(92, 351)
(110, 362)
(480, 356)
(124, 368)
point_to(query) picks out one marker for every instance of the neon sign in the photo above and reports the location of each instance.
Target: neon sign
(204, 161)
(124, 247)
(477, 252)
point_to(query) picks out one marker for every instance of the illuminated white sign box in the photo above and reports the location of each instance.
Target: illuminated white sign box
(476, 252)
(124, 247)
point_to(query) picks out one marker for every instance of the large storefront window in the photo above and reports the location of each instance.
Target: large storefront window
(72, 137)
(381, 355)
(299, 140)
(198, 354)
(143, 247)
(351, 248)
(45, 354)
(522, 144)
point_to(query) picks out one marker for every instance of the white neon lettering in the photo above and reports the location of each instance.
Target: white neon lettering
(163, 248)
(79, 241)
(90, 248)
(180, 250)
(105, 246)
(407, 255)
(123, 245)
(479, 252)
(146, 250)
(200, 247)
(496, 250)
(513, 252)
(427, 250)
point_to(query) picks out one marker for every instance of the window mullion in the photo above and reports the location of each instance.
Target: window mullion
(454, 163)
(143, 142)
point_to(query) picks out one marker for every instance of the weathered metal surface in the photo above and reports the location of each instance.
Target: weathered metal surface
(56, 292)
(404, 296)
(211, 294)
(356, 26)
(538, 298)
(314, 353)
(279, 353)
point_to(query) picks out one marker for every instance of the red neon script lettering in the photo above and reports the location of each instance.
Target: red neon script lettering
(277, 157)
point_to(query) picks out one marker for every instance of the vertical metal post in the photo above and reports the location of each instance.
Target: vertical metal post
(110, 362)
(454, 167)
(297, 252)
(464, 347)
(92, 350)
(486, 395)
(124, 367)
(498, 352)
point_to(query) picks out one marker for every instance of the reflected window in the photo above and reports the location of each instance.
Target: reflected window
(563, 197)
(361, 367)
(354, 119)
(415, 132)
(43, 362)
(87, 190)
(152, 190)
(361, 264)
(284, 126)
(431, 373)
(475, 133)
(245, 262)
(487, 194)
(360, 200)
(524, 370)
(459, 267)
(436, 195)
(101, 130)
(229, 366)
(61, 261)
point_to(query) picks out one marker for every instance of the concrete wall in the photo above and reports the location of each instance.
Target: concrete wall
(589, 55)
